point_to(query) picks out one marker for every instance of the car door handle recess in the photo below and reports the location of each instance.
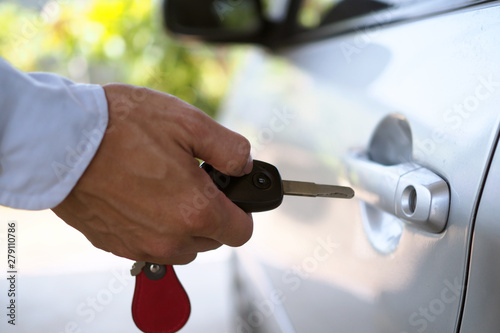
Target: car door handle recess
(386, 178)
(407, 190)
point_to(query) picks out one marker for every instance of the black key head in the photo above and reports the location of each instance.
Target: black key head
(258, 191)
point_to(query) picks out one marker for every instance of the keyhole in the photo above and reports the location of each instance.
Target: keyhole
(409, 200)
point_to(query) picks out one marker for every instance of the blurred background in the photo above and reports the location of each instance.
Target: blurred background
(65, 284)
(113, 41)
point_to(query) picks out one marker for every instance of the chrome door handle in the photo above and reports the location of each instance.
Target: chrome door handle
(407, 190)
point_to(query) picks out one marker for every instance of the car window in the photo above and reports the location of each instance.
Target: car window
(317, 19)
(315, 13)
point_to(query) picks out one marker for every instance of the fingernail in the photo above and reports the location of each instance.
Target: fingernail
(249, 166)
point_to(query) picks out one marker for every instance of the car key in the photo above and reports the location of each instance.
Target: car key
(160, 302)
(263, 189)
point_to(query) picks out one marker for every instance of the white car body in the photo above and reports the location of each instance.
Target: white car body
(324, 265)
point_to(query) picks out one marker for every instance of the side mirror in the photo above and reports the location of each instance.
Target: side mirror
(239, 21)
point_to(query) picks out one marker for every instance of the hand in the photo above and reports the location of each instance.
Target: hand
(144, 196)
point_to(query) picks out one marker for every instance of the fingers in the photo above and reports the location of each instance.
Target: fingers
(228, 152)
(166, 255)
(167, 250)
(237, 227)
(220, 220)
(225, 150)
(201, 136)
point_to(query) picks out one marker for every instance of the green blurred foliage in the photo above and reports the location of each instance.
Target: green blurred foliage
(101, 41)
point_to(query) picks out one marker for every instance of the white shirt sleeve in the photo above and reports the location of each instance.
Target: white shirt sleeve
(50, 129)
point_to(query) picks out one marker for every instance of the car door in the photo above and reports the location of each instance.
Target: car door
(311, 109)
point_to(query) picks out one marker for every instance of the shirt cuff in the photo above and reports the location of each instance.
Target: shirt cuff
(50, 129)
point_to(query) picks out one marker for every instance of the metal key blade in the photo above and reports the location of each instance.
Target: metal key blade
(137, 268)
(308, 189)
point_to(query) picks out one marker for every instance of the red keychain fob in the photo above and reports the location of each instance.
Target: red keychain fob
(160, 304)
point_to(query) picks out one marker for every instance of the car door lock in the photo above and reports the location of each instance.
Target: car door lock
(408, 191)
